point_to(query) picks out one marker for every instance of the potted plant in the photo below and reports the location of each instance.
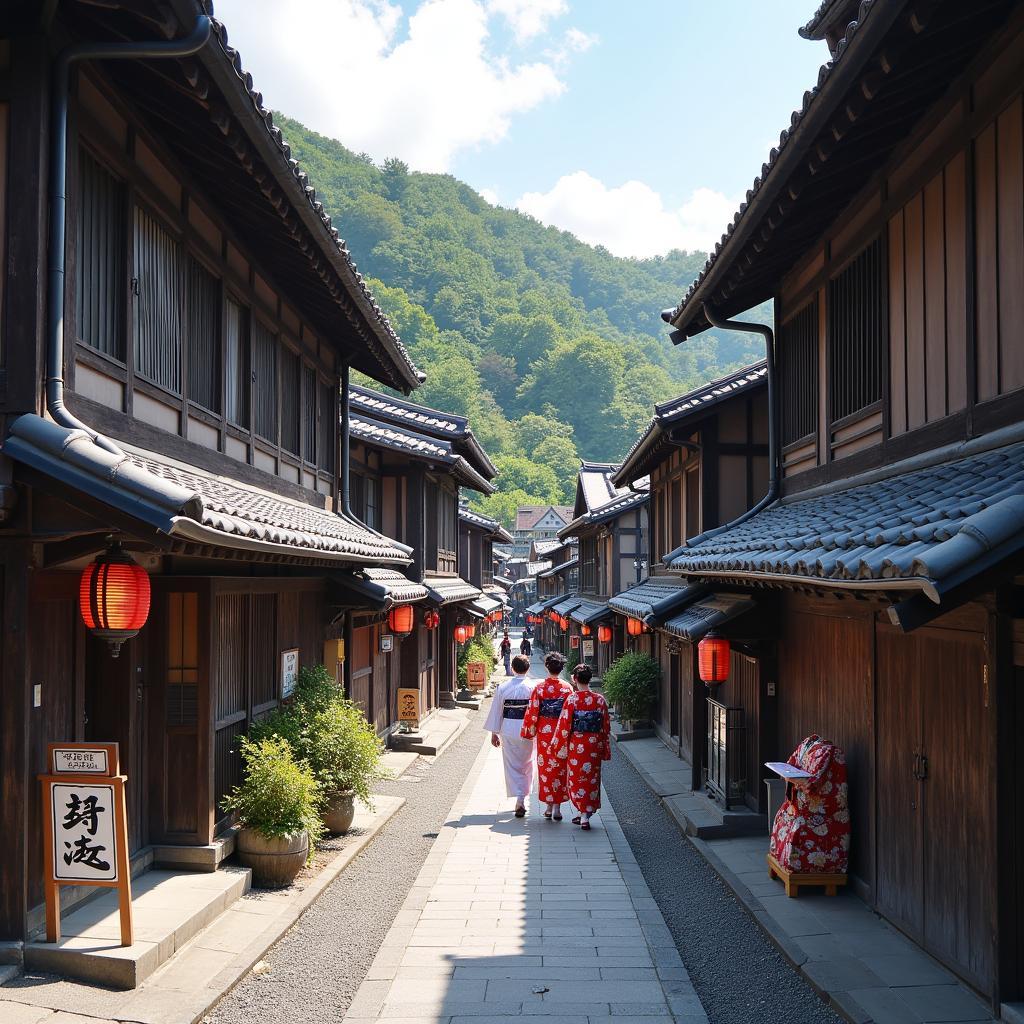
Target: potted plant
(344, 755)
(277, 805)
(631, 684)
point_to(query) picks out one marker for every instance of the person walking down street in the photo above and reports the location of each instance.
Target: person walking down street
(584, 734)
(505, 723)
(542, 716)
(525, 647)
(506, 653)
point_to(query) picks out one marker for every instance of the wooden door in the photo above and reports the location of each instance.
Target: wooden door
(900, 870)
(674, 685)
(380, 702)
(960, 836)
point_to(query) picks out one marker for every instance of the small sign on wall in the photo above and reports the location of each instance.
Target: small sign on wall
(574, 643)
(387, 642)
(289, 671)
(588, 648)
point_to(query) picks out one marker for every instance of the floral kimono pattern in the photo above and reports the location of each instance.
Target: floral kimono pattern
(583, 732)
(811, 832)
(539, 722)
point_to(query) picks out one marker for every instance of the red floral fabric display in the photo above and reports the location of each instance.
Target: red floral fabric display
(583, 731)
(539, 722)
(811, 832)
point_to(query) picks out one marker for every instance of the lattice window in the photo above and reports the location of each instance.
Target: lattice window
(158, 284)
(237, 371)
(798, 374)
(264, 380)
(203, 301)
(291, 372)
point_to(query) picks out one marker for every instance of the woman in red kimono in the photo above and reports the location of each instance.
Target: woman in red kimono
(811, 832)
(583, 732)
(539, 723)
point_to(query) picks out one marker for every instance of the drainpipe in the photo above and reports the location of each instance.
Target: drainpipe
(58, 198)
(774, 462)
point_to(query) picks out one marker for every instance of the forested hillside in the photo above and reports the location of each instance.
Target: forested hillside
(553, 348)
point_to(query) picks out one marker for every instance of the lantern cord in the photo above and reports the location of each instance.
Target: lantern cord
(135, 50)
(774, 473)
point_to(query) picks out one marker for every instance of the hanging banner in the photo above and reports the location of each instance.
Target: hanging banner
(85, 827)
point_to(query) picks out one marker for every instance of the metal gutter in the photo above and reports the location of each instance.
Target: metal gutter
(918, 583)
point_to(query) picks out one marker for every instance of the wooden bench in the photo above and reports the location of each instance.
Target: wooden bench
(793, 880)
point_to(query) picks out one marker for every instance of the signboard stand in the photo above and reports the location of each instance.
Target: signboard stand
(85, 828)
(408, 709)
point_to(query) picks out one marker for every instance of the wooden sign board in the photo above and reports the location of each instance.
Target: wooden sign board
(588, 648)
(289, 671)
(408, 704)
(574, 643)
(85, 828)
(476, 674)
(387, 642)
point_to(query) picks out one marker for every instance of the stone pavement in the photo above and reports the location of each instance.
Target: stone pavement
(861, 965)
(526, 918)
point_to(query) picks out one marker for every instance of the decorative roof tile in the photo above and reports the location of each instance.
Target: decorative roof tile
(444, 590)
(656, 597)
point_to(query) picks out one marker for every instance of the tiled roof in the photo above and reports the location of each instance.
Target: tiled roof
(486, 604)
(827, 10)
(537, 568)
(450, 590)
(467, 515)
(693, 404)
(595, 484)
(399, 439)
(545, 547)
(699, 618)
(527, 516)
(931, 528)
(424, 421)
(329, 240)
(377, 588)
(503, 581)
(588, 612)
(656, 597)
(625, 502)
(192, 506)
(556, 569)
(567, 604)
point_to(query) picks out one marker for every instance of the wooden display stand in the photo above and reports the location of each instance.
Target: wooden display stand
(793, 880)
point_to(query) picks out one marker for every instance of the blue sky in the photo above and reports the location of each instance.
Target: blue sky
(637, 125)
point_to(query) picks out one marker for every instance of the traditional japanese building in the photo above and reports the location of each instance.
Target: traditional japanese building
(610, 524)
(409, 462)
(538, 522)
(888, 226)
(179, 317)
(705, 455)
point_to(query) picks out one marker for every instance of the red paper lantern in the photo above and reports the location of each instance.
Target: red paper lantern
(563, 623)
(431, 620)
(604, 634)
(498, 616)
(472, 629)
(401, 619)
(586, 630)
(713, 658)
(113, 597)
(634, 627)
(461, 634)
(553, 615)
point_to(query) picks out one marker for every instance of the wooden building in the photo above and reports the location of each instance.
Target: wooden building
(408, 464)
(538, 522)
(198, 319)
(888, 226)
(554, 584)
(705, 454)
(477, 536)
(610, 524)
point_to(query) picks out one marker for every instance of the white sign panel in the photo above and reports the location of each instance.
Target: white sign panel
(588, 648)
(78, 761)
(289, 671)
(84, 832)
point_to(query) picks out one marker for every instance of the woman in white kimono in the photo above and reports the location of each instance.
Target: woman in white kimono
(505, 723)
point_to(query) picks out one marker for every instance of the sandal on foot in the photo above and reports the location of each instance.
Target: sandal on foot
(576, 820)
(520, 812)
(547, 814)
(585, 826)
(556, 817)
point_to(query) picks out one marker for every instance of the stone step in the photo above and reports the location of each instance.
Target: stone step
(168, 909)
(701, 817)
(435, 736)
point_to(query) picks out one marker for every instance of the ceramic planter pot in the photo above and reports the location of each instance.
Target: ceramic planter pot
(274, 862)
(339, 811)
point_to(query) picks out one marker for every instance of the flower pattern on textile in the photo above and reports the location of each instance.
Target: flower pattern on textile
(551, 773)
(584, 751)
(812, 828)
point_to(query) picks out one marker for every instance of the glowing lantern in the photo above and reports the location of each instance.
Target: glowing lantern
(401, 619)
(113, 597)
(634, 627)
(563, 623)
(713, 659)
(586, 630)
(431, 619)
(604, 634)
(498, 616)
(472, 630)
(461, 634)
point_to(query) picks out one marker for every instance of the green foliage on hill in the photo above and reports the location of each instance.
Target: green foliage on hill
(553, 348)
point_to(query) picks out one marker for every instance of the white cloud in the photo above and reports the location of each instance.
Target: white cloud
(489, 195)
(630, 219)
(422, 90)
(528, 18)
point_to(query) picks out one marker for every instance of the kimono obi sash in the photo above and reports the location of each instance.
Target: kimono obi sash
(551, 707)
(515, 709)
(587, 721)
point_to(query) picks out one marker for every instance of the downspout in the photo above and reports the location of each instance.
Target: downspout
(58, 198)
(774, 462)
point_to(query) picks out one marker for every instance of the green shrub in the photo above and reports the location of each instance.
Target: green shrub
(278, 795)
(571, 662)
(479, 648)
(631, 684)
(342, 750)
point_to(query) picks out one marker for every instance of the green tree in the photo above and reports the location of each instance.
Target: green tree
(396, 178)
(452, 385)
(533, 429)
(559, 454)
(519, 473)
(502, 505)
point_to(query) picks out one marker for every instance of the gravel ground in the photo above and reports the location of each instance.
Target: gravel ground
(739, 975)
(315, 970)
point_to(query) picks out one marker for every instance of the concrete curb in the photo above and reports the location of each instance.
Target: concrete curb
(244, 962)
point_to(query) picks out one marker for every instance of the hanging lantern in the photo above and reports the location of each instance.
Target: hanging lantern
(461, 634)
(472, 629)
(634, 627)
(563, 623)
(586, 630)
(604, 634)
(401, 619)
(113, 597)
(498, 616)
(431, 620)
(713, 658)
